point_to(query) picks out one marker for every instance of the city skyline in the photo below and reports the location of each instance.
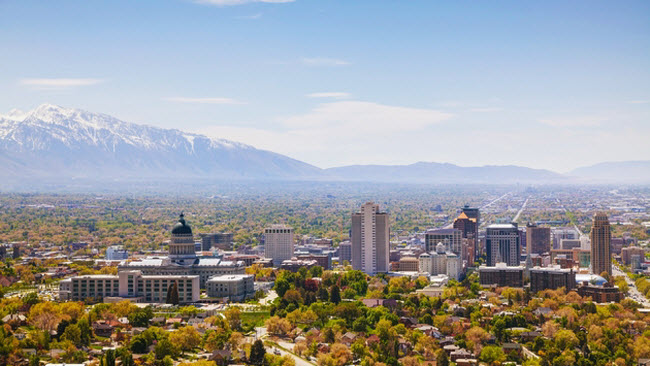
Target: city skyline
(324, 83)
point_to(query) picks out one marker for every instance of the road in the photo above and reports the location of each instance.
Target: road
(514, 219)
(299, 361)
(633, 292)
(260, 333)
(528, 353)
(270, 296)
(451, 225)
(495, 200)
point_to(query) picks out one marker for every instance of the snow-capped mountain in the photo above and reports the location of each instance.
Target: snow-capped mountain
(51, 141)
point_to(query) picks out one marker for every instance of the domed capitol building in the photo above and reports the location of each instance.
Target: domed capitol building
(182, 259)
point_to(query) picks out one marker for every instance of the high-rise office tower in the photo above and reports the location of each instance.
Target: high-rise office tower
(370, 239)
(538, 239)
(473, 213)
(601, 236)
(502, 244)
(278, 243)
(468, 223)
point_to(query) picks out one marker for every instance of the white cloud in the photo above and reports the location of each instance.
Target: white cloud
(574, 121)
(323, 61)
(241, 2)
(341, 132)
(216, 100)
(337, 95)
(366, 117)
(486, 109)
(58, 83)
(250, 17)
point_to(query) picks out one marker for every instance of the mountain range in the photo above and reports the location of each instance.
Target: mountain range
(52, 142)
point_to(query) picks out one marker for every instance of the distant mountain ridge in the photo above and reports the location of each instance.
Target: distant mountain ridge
(611, 172)
(52, 142)
(425, 172)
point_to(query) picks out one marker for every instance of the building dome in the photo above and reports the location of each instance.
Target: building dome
(181, 227)
(591, 278)
(441, 248)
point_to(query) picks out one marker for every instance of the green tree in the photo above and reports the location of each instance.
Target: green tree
(335, 294)
(86, 330)
(442, 359)
(165, 348)
(257, 353)
(34, 360)
(281, 286)
(108, 358)
(492, 355)
(140, 317)
(172, 294)
(72, 333)
(139, 344)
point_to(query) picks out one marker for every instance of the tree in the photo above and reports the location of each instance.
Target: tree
(442, 359)
(108, 358)
(566, 339)
(185, 338)
(233, 315)
(316, 271)
(277, 325)
(257, 353)
(358, 349)
(492, 355)
(172, 294)
(165, 348)
(139, 344)
(140, 317)
(86, 330)
(72, 333)
(329, 336)
(335, 294)
(281, 286)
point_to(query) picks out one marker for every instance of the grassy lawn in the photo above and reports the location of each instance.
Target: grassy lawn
(254, 318)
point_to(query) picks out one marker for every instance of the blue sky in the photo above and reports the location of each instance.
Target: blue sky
(543, 84)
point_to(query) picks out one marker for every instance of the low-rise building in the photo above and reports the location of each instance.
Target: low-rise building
(116, 253)
(408, 264)
(501, 275)
(551, 278)
(295, 264)
(601, 294)
(323, 260)
(129, 285)
(234, 287)
(345, 252)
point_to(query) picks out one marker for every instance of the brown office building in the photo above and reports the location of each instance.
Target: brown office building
(601, 236)
(601, 294)
(551, 278)
(538, 239)
(501, 275)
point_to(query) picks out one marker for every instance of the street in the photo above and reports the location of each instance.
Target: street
(633, 292)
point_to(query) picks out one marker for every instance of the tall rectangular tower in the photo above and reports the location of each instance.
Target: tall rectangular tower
(538, 239)
(370, 239)
(601, 237)
(502, 244)
(278, 243)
